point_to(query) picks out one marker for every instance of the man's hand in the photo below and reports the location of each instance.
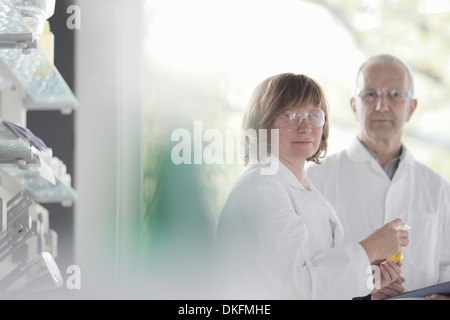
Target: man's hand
(437, 297)
(390, 290)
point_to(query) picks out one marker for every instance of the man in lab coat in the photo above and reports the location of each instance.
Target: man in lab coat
(377, 179)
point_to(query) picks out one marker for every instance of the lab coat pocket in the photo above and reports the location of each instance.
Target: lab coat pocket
(423, 248)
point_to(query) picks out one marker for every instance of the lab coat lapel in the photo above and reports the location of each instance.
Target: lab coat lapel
(405, 167)
(358, 153)
(336, 227)
(401, 183)
(288, 175)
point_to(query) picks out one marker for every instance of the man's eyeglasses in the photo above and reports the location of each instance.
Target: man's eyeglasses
(314, 119)
(373, 95)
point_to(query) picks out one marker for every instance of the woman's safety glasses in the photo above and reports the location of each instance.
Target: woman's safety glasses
(314, 118)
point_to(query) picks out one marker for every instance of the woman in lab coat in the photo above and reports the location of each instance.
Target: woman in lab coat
(278, 236)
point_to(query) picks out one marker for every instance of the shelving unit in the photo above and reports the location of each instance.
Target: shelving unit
(28, 81)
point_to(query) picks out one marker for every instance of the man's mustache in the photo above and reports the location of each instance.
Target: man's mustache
(382, 116)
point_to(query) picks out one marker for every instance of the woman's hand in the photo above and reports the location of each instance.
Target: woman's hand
(385, 241)
(387, 280)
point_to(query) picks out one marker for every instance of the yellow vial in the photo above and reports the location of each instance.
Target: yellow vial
(399, 256)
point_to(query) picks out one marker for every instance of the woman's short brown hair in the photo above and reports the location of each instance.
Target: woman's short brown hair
(279, 93)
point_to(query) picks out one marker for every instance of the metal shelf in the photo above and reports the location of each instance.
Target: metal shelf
(44, 86)
(14, 32)
(38, 188)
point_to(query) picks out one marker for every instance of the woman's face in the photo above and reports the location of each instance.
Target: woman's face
(297, 144)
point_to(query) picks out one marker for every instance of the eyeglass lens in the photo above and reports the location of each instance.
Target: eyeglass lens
(315, 118)
(393, 94)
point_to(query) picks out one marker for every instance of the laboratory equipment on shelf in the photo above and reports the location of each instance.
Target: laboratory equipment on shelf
(27, 250)
(35, 13)
(31, 276)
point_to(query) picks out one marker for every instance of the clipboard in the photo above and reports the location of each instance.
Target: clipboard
(441, 288)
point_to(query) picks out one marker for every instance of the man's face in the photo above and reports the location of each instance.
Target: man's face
(383, 105)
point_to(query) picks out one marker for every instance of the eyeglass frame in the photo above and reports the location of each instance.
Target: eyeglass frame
(359, 93)
(304, 116)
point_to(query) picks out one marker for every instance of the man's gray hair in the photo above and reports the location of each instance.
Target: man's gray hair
(385, 57)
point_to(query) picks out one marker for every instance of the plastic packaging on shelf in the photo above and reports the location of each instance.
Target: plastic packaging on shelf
(31, 276)
(35, 13)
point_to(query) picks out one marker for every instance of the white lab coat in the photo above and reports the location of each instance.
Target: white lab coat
(365, 199)
(286, 242)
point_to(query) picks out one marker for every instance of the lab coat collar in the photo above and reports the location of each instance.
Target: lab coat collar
(286, 174)
(358, 153)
